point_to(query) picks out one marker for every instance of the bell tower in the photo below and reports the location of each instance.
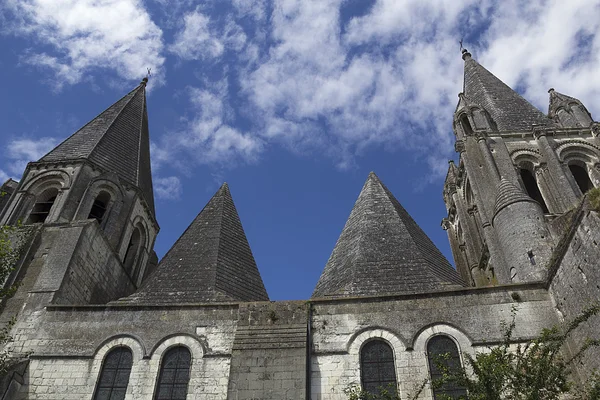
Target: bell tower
(518, 170)
(101, 173)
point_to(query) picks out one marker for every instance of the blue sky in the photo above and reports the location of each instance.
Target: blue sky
(291, 102)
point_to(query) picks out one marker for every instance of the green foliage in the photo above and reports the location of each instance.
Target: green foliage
(594, 197)
(535, 370)
(11, 249)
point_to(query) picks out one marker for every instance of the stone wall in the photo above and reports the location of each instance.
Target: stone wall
(472, 317)
(575, 280)
(68, 345)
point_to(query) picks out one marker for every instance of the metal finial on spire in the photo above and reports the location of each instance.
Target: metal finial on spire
(465, 54)
(145, 79)
(461, 43)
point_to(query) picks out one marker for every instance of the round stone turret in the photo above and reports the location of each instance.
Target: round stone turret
(522, 232)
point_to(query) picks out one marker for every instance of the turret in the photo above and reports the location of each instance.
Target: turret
(568, 111)
(521, 228)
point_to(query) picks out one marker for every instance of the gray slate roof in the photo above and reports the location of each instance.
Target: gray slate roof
(116, 140)
(210, 262)
(382, 250)
(508, 109)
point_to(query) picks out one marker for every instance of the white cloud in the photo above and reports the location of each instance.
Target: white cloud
(168, 188)
(3, 176)
(21, 151)
(201, 39)
(85, 35)
(208, 138)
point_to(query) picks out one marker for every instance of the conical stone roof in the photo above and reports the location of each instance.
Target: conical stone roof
(210, 262)
(509, 111)
(507, 194)
(382, 250)
(116, 140)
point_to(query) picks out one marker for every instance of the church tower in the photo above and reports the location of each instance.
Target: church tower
(518, 170)
(90, 199)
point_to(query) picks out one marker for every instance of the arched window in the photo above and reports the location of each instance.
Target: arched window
(132, 250)
(114, 375)
(99, 207)
(377, 367)
(442, 353)
(532, 189)
(43, 205)
(581, 177)
(174, 375)
(466, 125)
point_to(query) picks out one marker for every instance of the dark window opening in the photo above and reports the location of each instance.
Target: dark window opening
(442, 354)
(132, 251)
(42, 206)
(174, 375)
(464, 122)
(99, 207)
(377, 367)
(532, 189)
(581, 177)
(114, 376)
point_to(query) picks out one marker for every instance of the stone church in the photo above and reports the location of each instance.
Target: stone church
(99, 317)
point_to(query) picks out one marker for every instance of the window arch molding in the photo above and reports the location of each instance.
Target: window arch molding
(137, 351)
(113, 208)
(54, 177)
(135, 248)
(25, 198)
(358, 339)
(190, 342)
(420, 340)
(577, 149)
(521, 156)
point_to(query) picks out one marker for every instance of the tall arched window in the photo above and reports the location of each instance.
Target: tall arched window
(114, 376)
(132, 250)
(442, 352)
(174, 375)
(466, 125)
(581, 177)
(43, 205)
(377, 367)
(99, 207)
(532, 189)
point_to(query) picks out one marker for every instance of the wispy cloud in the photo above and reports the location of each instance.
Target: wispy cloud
(314, 79)
(81, 36)
(209, 137)
(21, 151)
(168, 188)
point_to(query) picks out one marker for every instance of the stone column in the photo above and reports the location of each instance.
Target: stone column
(566, 197)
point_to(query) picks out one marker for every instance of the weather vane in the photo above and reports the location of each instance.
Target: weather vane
(461, 43)
(149, 72)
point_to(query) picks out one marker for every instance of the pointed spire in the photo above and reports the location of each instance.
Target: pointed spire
(116, 140)
(382, 250)
(507, 194)
(579, 115)
(452, 173)
(210, 262)
(506, 107)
